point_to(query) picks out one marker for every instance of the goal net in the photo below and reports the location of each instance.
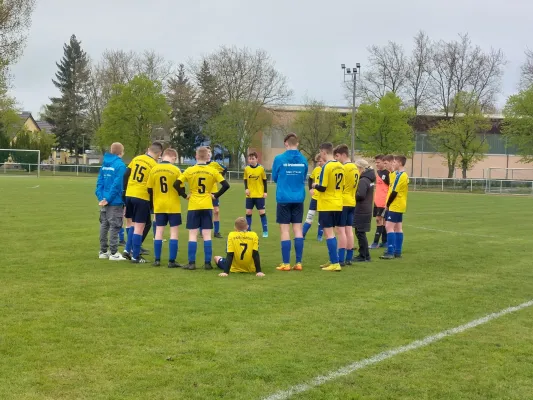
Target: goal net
(20, 162)
(510, 180)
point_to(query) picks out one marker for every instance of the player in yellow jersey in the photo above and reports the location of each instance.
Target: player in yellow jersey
(396, 207)
(313, 178)
(167, 206)
(138, 201)
(201, 178)
(242, 251)
(255, 188)
(216, 203)
(351, 179)
(331, 186)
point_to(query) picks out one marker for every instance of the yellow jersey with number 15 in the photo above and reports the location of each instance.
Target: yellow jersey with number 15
(201, 178)
(161, 181)
(315, 177)
(332, 178)
(242, 245)
(351, 180)
(140, 167)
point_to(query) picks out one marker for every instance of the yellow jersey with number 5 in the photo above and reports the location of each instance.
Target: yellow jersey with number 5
(201, 178)
(140, 167)
(242, 245)
(161, 181)
(332, 178)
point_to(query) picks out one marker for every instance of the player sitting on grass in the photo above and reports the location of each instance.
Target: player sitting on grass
(216, 202)
(289, 172)
(255, 187)
(167, 206)
(242, 251)
(380, 198)
(396, 206)
(201, 179)
(351, 180)
(331, 186)
(109, 194)
(363, 208)
(313, 178)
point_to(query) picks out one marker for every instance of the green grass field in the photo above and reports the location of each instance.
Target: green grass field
(76, 327)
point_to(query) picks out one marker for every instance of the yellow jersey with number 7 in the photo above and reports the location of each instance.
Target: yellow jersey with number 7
(242, 245)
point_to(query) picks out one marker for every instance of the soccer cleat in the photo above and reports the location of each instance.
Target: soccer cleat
(126, 255)
(297, 267)
(319, 238)
(103, 255)
(190, 266)
(173, 264)
(283, 267)
(361, 259)
(265, 234)
(218, 235)
(333, 268)
(325, 265)
(342, 264)
(144, 252)
(122, 243)
(397, 256)
(383, 246)
(387, 256)
(156, 263)
(117, 257)
(374, 246)
(139, 260)
(208, 266)
(349, 262)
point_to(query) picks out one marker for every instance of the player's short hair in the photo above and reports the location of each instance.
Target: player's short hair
(156, 148)
(401, 159)
(202, 153)
(116, 148)
(318, 157)
(291, 139)
(341, 149)
(327, 147)
(170, 152)
(241, 224)
(252, 154)
(388, 157)
(379, 157)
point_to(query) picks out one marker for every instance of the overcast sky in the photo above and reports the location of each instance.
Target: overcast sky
(307, 39)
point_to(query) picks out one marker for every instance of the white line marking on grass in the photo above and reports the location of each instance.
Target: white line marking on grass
(348, 369)
(34, 187)
(452, 232)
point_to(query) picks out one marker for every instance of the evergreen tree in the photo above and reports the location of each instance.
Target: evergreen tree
(68, 112)
(210, 99)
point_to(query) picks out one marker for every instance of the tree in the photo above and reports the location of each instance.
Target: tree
(182, 97)
(210, 97)
(418, 73)
(518, 123)
(15, 20)
(132, 113)
(317, 125)
(526, 79)
(68, 113)
(28, 140)
(383, 127)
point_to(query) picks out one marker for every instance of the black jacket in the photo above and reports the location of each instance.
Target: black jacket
(365, 200)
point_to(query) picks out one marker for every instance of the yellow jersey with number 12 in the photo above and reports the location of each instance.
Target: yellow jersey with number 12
(351, 180)
(332, 178)
(161, 181)
(201, 178)
(242, 245)
(315, 177)
(140, 167)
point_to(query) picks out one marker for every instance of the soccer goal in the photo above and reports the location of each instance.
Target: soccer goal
(20, 162)
(510, 181)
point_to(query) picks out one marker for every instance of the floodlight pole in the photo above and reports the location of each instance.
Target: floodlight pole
(352, 73)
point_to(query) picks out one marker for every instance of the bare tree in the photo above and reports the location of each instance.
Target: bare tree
(153, 65)
(526, 80)
(418, 73)
(15, 20)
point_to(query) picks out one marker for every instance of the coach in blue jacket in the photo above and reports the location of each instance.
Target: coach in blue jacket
(109, 188)
(289, 172)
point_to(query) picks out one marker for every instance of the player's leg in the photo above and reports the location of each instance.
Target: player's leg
(121, 241)
(327, 220)
(379, 226)
(128, 214)
(398, 235)
(384, 236)
(216, 219)
(193, 224)
(147, 228)
(114, 217)
(206, 224)
(249, 210)
(160, 222)
(364, 252)
(296, 219)
(260, 204)
(350, 244)
(310, 216)
(175, 222)
(141, 214)
(283, 218)
(340, 230)
(390, 226)
(104, 232)
(220, 262)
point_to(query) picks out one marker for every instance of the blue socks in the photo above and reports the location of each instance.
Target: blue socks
(192, 252)
(286, 251)
(263, 222)
(217, 226)
(121, 234)
(349, 255)
(208, 250)
(129, 242)
(320, 231)
(137, 240)
(399, 243)
(249, 222)
(332, 250)
(158, 246)
(172, 250)
(391, 242)
(342, 255)
(299, 249)
(307, 226)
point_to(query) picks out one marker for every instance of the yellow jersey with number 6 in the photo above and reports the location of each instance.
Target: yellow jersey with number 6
(140, 167)
(242, 245)
(161, 181)
(201, 178)
(332, 178)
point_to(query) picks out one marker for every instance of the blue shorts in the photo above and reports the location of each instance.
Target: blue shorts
(347, 216)
(290, 213)
(200, 219)
(162, 219)
(329, 219)
(221, 263)
(312, 205)
(259, 203)
(138, 210)
(394, 217)
(216, 202)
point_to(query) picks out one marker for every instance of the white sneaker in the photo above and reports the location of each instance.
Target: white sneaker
(103, 255)
(116, 257)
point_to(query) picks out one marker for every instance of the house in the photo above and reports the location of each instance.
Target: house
(28, 122)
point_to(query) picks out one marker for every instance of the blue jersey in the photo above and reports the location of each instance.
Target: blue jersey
(289, 171)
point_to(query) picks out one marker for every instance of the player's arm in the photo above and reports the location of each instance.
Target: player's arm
(257, 261)
(275, 170)
(387, 178)
(362, 190)
(125, 180)
(229, 260)
(178, 186)
(223, 189)
(395, 191)
(323, 181)
(116, 186)
(310, 182)
(99, 192)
